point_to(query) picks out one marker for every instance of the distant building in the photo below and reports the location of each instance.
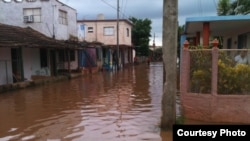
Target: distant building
(105, 31)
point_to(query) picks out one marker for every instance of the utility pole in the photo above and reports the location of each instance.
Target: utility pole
(153, 57)
(53, 28)
(170, 26)
(117, 40)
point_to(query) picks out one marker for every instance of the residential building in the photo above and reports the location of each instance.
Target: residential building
(50, 17)
(213, 87)
(105, 31)
(53, 19)
(235, 30)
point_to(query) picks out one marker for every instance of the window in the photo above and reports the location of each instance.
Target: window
(90, 30)
(63, 55)
(63, 17)
(108, 31)
(35, 13)
(6, 0)
(13, 0)
(18, 0)
(127, 32)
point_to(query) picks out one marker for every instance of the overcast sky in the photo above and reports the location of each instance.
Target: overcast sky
(141, 9)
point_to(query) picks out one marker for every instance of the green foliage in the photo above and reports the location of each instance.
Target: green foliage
(180, 120)
(236, 7)
(200, 70)
(140, 35)
(223, 7)
(232, 79)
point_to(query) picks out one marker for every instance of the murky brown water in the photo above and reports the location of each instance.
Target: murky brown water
(108, 106)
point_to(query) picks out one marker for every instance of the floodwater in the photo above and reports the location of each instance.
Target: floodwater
(107, 106)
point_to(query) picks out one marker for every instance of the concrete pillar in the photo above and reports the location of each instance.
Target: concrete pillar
(206, 32)
(215, 56)
(185, 69)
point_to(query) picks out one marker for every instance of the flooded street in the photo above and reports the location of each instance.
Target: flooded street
(107, 106)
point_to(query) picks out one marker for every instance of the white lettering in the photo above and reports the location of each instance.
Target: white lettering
(226, 132)
(181, 132)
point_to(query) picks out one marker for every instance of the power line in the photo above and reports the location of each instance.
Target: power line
(200, 7)
(109, 4)
(125, 6)
(115, 8)
(215, 4)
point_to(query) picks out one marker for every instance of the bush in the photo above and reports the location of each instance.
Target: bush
(233, 79)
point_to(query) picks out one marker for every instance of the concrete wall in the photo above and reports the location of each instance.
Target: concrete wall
(31, 62)
(5, 66)
(98, 34)
(211, 107)
(73, 64)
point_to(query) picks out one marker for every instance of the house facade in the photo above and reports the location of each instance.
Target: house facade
(234, 30)
(213, 87)
(105, 31)
(53, 19)
(50, 17)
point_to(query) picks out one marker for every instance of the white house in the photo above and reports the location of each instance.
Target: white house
(49, 17)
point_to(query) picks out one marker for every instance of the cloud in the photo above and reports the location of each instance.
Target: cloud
(141, 9)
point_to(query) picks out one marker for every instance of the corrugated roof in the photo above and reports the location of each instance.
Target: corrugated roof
(13, 36)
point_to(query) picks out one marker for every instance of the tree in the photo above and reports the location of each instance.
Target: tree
(170, 29)
(242, 7)
(140, 35)
(223, 7)
(236, 7)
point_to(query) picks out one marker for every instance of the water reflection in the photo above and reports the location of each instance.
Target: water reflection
(109, 106)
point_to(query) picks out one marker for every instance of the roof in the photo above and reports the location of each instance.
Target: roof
(63, 4)
(219, 25)
(13, 36)
(107, 20)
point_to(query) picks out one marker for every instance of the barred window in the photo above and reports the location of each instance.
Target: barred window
(90, 30)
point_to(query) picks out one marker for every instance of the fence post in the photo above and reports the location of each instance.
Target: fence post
(215, 55)
(185, 69)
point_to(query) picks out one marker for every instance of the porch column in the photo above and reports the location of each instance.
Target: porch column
(68, 56)
(206, 30)
(21, 63)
